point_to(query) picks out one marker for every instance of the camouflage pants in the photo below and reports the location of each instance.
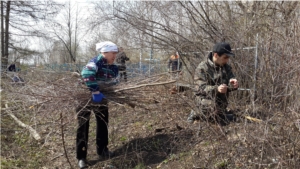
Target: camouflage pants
(210, 109)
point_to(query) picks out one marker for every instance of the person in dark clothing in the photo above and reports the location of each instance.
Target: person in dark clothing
(121, 62)
(174, 64)
(100, 72)
(12, 67)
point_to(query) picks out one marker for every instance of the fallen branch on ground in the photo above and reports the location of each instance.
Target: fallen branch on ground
(35, 135)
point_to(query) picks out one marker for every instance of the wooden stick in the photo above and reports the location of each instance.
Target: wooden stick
(144, 85)
(252, 119)
(35, 135)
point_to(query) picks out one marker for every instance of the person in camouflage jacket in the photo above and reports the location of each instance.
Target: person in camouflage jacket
(121, 62)
(214, 81)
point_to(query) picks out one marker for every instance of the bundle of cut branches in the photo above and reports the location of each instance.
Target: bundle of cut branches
(61, 90)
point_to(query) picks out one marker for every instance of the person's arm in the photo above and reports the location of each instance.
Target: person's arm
(232, 79)
(88, 74)
(201, 81)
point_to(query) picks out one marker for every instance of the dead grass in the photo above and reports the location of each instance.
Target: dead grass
(153, 134)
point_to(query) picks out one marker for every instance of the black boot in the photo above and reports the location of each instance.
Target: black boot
(225, 119)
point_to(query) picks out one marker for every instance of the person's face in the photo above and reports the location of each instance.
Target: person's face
(221, 60)
(110, 57)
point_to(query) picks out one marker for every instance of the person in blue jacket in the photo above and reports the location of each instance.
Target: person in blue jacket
(100, 72)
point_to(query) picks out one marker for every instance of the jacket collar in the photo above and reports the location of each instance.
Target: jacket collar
(210, 60)
(211, 63)
(101, 59)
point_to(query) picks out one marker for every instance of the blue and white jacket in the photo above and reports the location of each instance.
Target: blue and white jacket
(97, 73)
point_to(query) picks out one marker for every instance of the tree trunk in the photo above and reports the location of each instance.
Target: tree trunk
(6, 32)
(2, 32)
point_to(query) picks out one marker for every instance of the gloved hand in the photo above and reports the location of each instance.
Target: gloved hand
(97, 97)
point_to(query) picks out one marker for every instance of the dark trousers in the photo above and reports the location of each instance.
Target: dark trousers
(101, 114)
(123, 73)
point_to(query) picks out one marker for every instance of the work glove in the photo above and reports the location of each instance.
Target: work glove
(97, 98)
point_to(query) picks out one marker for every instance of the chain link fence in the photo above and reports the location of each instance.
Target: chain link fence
(133, 69)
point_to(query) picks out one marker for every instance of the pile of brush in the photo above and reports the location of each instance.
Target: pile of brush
(65, 90)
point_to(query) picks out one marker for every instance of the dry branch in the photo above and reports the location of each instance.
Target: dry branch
(53, 92)
(34, 133)
(145, 85)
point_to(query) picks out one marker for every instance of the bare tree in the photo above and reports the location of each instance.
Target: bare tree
(5, 34)
(69, 30)
(18, 23)
(201, 24)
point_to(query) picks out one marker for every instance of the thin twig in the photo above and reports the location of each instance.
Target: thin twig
(63, 139)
